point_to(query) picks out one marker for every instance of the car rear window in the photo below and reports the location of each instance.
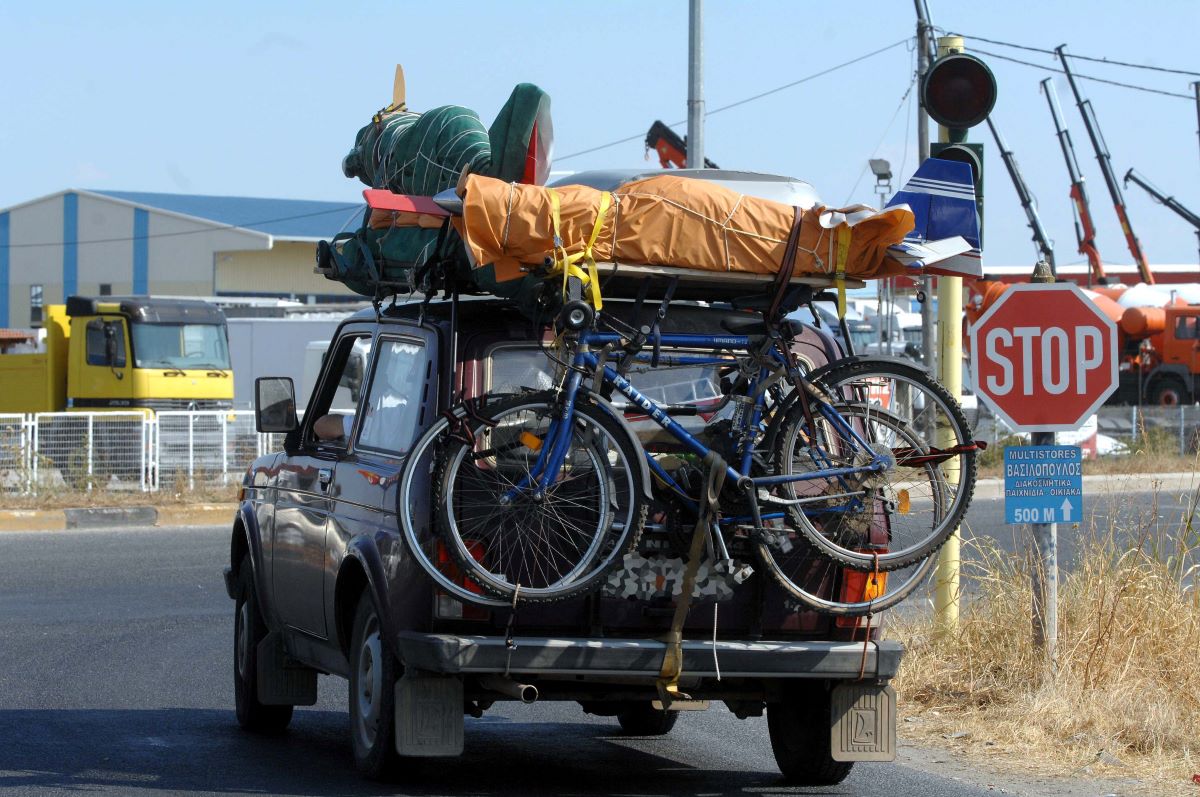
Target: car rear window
(515, 368)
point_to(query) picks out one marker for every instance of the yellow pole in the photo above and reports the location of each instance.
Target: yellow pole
(949, 337)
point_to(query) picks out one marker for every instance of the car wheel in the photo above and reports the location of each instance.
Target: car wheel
(1168, 391)
(800, 739)
(248, 630)
(373, 674)
(645, 720)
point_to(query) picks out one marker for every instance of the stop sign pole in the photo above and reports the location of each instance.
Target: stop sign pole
(1044, 358)
(1044, 573)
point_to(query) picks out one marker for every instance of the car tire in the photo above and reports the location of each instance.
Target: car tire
(373, 675)
(800, 738)
(645, 720)
(1168, 391)
(249, 628)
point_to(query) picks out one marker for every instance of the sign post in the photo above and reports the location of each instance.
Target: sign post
(1044, 358)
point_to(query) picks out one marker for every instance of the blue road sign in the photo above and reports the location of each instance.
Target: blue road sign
(1043, 484)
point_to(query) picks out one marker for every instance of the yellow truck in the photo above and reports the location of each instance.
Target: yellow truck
(123, 353)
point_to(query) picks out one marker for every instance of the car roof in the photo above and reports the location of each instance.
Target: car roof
(774, 187)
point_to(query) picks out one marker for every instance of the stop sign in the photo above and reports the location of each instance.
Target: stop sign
(1044, 357)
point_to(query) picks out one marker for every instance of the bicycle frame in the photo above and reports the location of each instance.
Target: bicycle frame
(553, 451)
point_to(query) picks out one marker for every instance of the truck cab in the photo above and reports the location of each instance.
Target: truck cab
(123, 353)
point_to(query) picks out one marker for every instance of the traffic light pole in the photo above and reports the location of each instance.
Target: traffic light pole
(923, 28)
(949, 339)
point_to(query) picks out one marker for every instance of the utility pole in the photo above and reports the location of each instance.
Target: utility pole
(923, 29)
(695, 137)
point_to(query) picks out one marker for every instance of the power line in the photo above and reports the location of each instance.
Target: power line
(1093, 78)
(215, 228)
(742, 101)
(1108, 61)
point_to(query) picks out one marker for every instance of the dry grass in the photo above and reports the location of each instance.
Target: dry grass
(1125, 700)
(174, 494)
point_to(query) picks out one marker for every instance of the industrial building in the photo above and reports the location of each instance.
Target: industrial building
(124, 242)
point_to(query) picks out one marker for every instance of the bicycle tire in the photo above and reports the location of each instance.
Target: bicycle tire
(813, 579)
(547, 548)
(415, 494)
(917, 409)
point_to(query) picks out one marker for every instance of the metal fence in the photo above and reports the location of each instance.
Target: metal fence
(127, 450)
(1156, 429)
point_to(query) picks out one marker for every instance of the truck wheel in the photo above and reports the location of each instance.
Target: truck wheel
(645, 720)
(799, 729)
(1168, 392)
(248, 630)
(373, 674)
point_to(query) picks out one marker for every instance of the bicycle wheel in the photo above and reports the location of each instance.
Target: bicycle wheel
(414, 499)
(550, 544)
(816, 581)
(891, 518)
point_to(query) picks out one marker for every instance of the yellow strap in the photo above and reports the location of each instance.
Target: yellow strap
(557, 240)
(593, 274)
(844, 234)
(566, 263)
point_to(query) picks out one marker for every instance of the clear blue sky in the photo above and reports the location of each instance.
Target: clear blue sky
(263, 99)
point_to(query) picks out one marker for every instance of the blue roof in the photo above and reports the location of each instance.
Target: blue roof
(283, 218)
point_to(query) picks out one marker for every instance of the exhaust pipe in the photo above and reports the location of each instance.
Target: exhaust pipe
(526, 693)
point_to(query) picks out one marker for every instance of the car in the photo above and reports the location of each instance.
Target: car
(323, 581)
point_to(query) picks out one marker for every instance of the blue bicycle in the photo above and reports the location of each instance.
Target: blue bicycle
(864, 465)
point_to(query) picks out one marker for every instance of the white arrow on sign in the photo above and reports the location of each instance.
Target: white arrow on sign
(1066, 509)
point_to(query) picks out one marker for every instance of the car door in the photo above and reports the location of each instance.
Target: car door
(400, 400)
(304, 483)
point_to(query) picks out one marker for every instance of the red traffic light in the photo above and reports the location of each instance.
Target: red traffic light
(959, 91)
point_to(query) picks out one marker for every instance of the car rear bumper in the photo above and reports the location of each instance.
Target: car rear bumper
(466, 655)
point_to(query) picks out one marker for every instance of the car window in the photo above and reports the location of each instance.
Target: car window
(513, 368)
(392, 408)
(340, 390)
(1185, 328)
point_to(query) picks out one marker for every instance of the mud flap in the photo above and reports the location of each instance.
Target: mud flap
(862, 722)
(282, 682)
(429, 716)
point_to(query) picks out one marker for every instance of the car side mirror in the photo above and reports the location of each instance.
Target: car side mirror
(114, 350)
(275, 404)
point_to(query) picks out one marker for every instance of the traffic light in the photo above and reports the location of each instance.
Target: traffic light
(972, 155)
(958, 92)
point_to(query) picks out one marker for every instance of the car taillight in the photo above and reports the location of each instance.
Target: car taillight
(859, 587)
(451, 608)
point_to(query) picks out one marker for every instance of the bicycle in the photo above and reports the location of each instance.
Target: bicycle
(538, 496)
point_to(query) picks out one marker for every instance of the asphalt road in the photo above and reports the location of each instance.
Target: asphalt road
(115, 678)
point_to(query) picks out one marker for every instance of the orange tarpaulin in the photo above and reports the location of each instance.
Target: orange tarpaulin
(673, 221)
